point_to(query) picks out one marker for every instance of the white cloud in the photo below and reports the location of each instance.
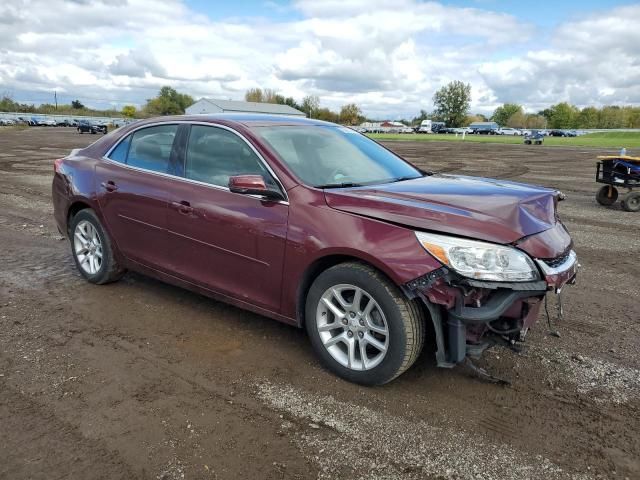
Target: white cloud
(388, 56)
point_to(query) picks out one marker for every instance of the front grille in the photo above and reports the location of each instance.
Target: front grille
(556, 262)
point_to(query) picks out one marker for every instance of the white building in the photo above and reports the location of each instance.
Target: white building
(212, 105)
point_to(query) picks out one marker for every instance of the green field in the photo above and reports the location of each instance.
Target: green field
(604, 140)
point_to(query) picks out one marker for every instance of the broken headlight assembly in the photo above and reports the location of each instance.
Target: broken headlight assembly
(480, 260)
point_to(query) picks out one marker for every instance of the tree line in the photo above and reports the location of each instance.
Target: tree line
(452, 102)
(7, 104)
(451, 106)
(566, 116)
(349, 114)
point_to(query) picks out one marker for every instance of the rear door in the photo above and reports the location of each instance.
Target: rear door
(227, 242)
(133, 188)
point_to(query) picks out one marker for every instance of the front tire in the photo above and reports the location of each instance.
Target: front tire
(91, 249)
(361, 326)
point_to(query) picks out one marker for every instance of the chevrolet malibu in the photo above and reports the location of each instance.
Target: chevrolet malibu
(318, 226)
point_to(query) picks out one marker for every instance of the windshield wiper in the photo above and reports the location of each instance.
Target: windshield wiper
(339, 185)
(402, 179)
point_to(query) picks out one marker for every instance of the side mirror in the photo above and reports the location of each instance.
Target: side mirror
(253, 185)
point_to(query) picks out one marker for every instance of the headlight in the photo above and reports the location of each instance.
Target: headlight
(480, 260)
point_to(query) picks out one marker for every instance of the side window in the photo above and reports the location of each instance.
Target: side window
(215, 154)
(151, 148)
(119, 154)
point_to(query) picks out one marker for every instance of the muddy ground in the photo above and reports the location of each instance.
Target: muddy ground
(139, 379)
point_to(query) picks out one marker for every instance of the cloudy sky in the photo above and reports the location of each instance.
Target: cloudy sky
(387, 56)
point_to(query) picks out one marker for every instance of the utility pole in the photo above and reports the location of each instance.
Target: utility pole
(55, 98)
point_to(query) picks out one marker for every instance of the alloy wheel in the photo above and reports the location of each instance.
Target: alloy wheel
(352, 327)
(87, 247)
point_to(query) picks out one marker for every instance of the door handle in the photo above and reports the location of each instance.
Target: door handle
(109, 186)
(182, 206)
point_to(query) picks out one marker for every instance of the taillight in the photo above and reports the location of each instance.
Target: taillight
(57, 165)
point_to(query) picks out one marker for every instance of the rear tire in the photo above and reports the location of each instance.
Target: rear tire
(363, 342)
(603, 197)
(91, 249)
(631, 202)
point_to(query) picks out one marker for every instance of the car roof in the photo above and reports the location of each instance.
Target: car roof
(246, 119)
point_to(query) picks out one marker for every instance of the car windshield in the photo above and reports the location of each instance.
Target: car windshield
(334, 156)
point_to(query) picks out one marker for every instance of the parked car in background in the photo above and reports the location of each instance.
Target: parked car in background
(437, 126)
(562, 133)
(85, 126)
(508, 131)
(484, 128)
(318, 226)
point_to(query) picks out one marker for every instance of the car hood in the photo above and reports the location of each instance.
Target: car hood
(493, 210)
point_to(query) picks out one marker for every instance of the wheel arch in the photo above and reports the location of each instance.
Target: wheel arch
(73, 210)
(322, 264)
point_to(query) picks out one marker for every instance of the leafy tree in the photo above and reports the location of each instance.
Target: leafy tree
(535, 121)
(452, 102)
(129, 111)
(310, 105)
(563, 115)
(588, 118)
(168, 102)
(7, 104)
(478, 117)
(502, 114)
(77, 105)
(292, 103)
(253, 95)
(350, 114)
(326, 115)
(517, 120)
(271, 96)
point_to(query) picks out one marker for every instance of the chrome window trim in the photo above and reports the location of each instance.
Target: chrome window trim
(206, 124)
(563, 267)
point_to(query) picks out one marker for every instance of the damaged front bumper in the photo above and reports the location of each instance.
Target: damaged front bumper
(471, 315)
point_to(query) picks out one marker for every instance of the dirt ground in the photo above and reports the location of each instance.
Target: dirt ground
(139, 379)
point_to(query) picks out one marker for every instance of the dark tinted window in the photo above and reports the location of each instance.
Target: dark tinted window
(151, 148)
(119, 154)
(215, 154)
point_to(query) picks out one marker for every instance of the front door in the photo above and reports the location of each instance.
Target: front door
(133, 191)
(230, 243)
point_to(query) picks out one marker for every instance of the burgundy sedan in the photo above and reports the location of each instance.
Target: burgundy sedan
(316, 225)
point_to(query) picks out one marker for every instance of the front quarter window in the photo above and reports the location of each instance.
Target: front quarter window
(327, 156)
